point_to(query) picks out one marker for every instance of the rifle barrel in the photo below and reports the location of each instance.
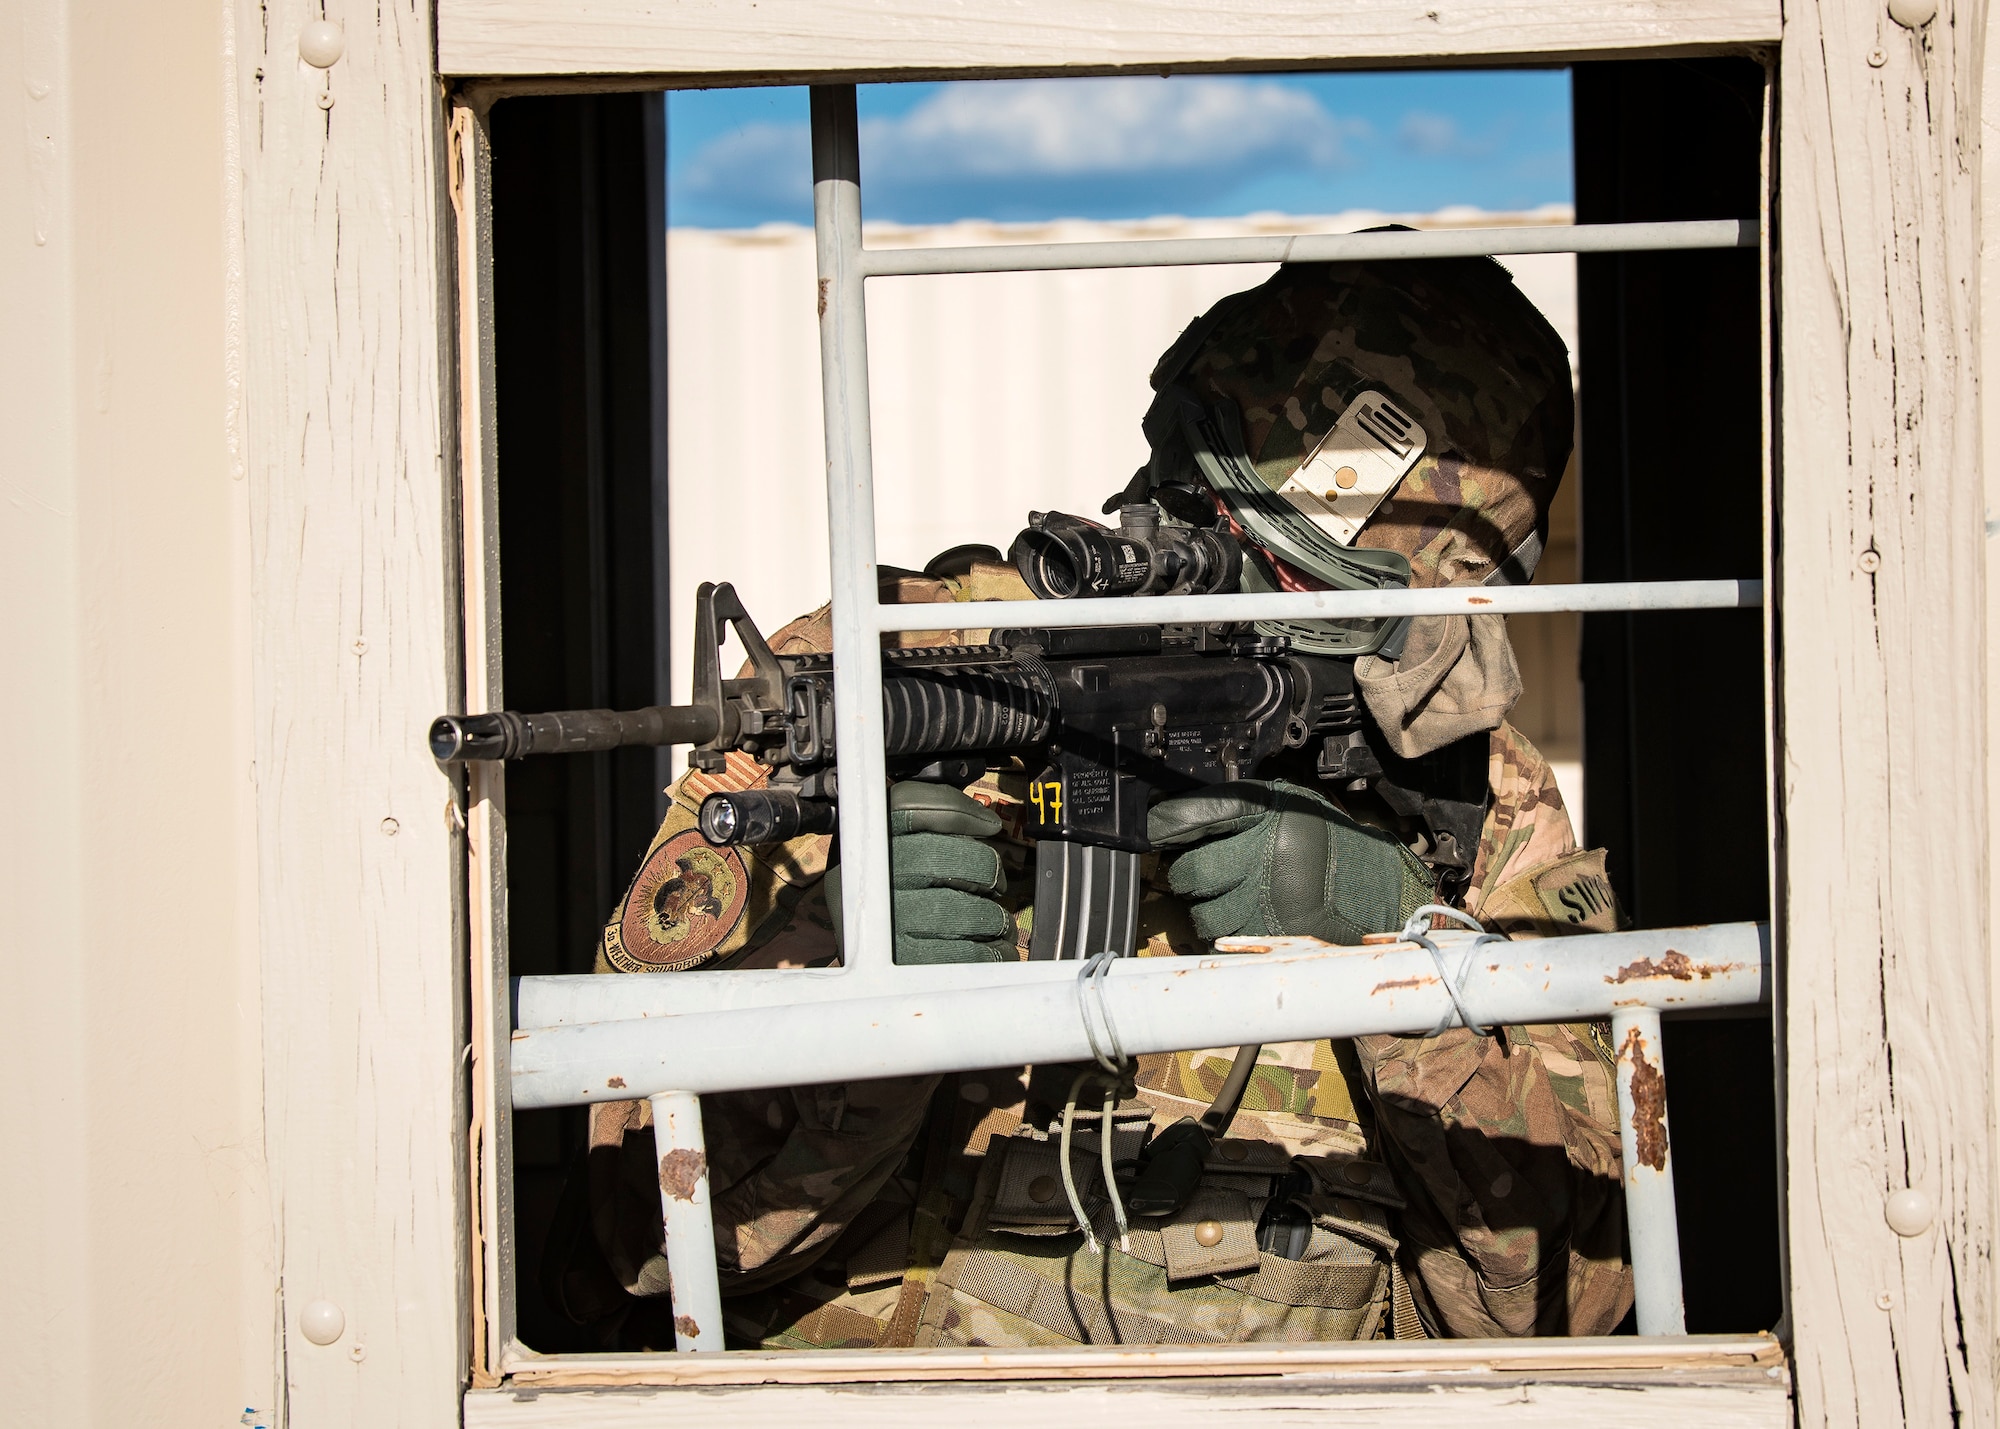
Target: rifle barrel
(507, 735)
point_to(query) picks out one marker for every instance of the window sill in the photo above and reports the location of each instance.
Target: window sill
(1723, 1380)
(1372, 1360)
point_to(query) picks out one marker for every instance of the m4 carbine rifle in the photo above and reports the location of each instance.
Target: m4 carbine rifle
(1102, 721)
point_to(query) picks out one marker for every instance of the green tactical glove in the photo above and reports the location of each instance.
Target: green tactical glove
(946, 880)
(1273, 859)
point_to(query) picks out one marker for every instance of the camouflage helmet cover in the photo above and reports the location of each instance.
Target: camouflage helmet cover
(1451, 340)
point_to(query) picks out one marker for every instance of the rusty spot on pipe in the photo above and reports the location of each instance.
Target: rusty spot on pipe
(823, 282)
(1649, 1103)
(680, 1170)
(1478, 600)
(615, 1083)
(1678, 966)
(685, 1327)
(1402, 982)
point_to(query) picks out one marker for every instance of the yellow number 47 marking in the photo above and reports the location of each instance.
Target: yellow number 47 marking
(1046, 796)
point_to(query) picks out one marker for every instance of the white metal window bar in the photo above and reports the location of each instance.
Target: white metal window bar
(579, 1040)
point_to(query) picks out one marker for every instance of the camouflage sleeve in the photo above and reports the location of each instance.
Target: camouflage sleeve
(789, 1169)
(1526, 824)
(1530, 880)
(1507, 1148)
(1507, 1145)
(692, 905)
(695, 906)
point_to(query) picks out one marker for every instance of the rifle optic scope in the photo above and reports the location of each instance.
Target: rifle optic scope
(1062, 557)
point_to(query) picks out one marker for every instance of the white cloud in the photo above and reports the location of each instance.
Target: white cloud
(1431, 135)
(1056, 128)
(1437, 136)
(757, 165)
(973, 145)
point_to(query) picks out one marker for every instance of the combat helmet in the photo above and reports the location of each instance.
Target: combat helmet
(1364, 425)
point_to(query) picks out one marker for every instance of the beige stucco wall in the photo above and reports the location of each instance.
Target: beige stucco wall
(134, 1231)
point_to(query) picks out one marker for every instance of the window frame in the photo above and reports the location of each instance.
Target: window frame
(1842, 1331)
(494, 1312)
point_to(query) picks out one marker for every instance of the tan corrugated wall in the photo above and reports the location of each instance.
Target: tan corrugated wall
(136, 1239)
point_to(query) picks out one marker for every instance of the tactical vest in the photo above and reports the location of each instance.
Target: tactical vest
(1271, 1246)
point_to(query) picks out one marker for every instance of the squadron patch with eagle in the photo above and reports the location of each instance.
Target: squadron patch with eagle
(684, 903)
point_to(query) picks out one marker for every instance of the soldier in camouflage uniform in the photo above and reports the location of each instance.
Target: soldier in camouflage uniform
(1461, 1184)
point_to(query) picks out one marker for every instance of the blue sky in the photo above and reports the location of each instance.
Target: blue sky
(1199, 145)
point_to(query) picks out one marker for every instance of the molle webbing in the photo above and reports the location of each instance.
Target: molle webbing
(1033, 1286)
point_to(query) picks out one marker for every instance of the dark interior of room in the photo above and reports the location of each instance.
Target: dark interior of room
(579, 277)
(1673, 746)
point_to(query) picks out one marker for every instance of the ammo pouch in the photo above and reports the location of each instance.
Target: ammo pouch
(1021, 1273)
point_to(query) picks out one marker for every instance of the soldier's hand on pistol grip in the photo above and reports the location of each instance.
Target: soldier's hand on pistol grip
(1272, 859)
(946, 879)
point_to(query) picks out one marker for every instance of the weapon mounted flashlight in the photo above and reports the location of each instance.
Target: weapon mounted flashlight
(760, 816)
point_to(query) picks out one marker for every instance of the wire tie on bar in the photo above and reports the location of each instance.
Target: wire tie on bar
(1090, 988)
(1111, 1058)
(1416, 931)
